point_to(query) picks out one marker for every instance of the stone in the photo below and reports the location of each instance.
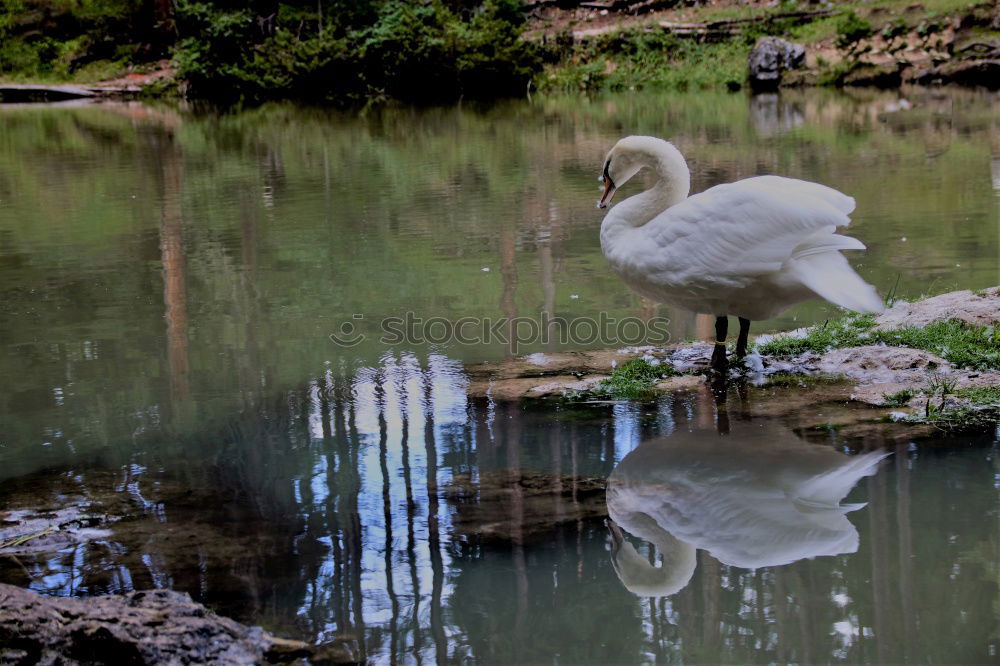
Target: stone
(967, 71)
(770, 57)
(514, 388)
(972, 308)
(879, 364)
(682, 383)
(877, 76)
(149, 627)
(875, 394)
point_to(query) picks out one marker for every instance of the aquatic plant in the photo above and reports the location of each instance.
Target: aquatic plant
(975, 409)
(634, 379)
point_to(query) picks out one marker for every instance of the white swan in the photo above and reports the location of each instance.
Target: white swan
(759, 498)
(752, 248)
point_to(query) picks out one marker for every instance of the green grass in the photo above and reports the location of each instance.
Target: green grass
(900, 398)
(981, 396)
(632, 380)
(975, 347)
(646, 58)
(850, 331)
(979, 410)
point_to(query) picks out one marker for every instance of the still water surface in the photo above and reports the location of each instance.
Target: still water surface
(169, 284)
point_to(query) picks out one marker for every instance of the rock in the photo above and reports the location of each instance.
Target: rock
(514, 388)
(969, 72)
(520, 505)
(557, 363)
(882, 364)
(878, 76)
(875, 394)
(770, 57)
(973, 308)
(154, 627)
(682, 383)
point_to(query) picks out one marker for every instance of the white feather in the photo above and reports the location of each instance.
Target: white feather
(751, 248)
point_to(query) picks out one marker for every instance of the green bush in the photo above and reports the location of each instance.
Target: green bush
(59, 38)
(851, 28)
(408, 50)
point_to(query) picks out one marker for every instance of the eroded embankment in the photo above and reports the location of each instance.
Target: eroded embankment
(934, 362)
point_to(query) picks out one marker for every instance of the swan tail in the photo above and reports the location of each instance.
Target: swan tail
(828, 274)
(820, 496)
(825, 240)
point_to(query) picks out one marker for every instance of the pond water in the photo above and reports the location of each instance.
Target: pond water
(170, 282)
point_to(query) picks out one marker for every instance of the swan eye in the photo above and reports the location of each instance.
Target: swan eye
(607, 177)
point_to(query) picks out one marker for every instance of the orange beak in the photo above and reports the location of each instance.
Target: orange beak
(609, 192)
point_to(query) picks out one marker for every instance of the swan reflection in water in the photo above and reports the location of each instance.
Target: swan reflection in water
(757, 497)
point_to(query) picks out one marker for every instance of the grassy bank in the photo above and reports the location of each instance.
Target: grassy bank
(634, 58)
(344, 51)
(843, 44)
(972, 347)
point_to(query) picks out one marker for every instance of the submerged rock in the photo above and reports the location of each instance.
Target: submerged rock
(513, 388)
(682, 383)
(155, 627)
(521, 505)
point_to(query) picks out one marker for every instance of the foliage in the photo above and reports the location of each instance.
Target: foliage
(851, 28)
(76, 39)
(410, 51)
(900, 398)
(331, 50)
(894, 28)
(641, 58)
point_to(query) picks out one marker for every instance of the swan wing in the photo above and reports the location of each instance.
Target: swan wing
(732, 233)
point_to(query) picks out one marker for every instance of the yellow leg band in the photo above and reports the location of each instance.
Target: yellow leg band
(721, 344)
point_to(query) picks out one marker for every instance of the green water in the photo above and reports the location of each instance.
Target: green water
(170, 280)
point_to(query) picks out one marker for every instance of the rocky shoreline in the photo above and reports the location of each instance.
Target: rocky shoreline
(876, 375)
(820, 44)
(149, 627)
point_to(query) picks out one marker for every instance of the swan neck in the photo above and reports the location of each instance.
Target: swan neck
(674, 182)
(678, 558)
(672, 186)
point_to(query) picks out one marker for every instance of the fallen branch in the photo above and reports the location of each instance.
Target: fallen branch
(22, 539)
(729, 27)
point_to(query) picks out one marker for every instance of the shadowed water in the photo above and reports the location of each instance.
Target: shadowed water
(172, 397)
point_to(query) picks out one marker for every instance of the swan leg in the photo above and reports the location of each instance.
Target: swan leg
(741, 342)
(719, 362)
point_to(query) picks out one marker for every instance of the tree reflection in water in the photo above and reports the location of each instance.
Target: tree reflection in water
(320, 514)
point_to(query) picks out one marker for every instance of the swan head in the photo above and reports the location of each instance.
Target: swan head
(637, 574)
(631, 154)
